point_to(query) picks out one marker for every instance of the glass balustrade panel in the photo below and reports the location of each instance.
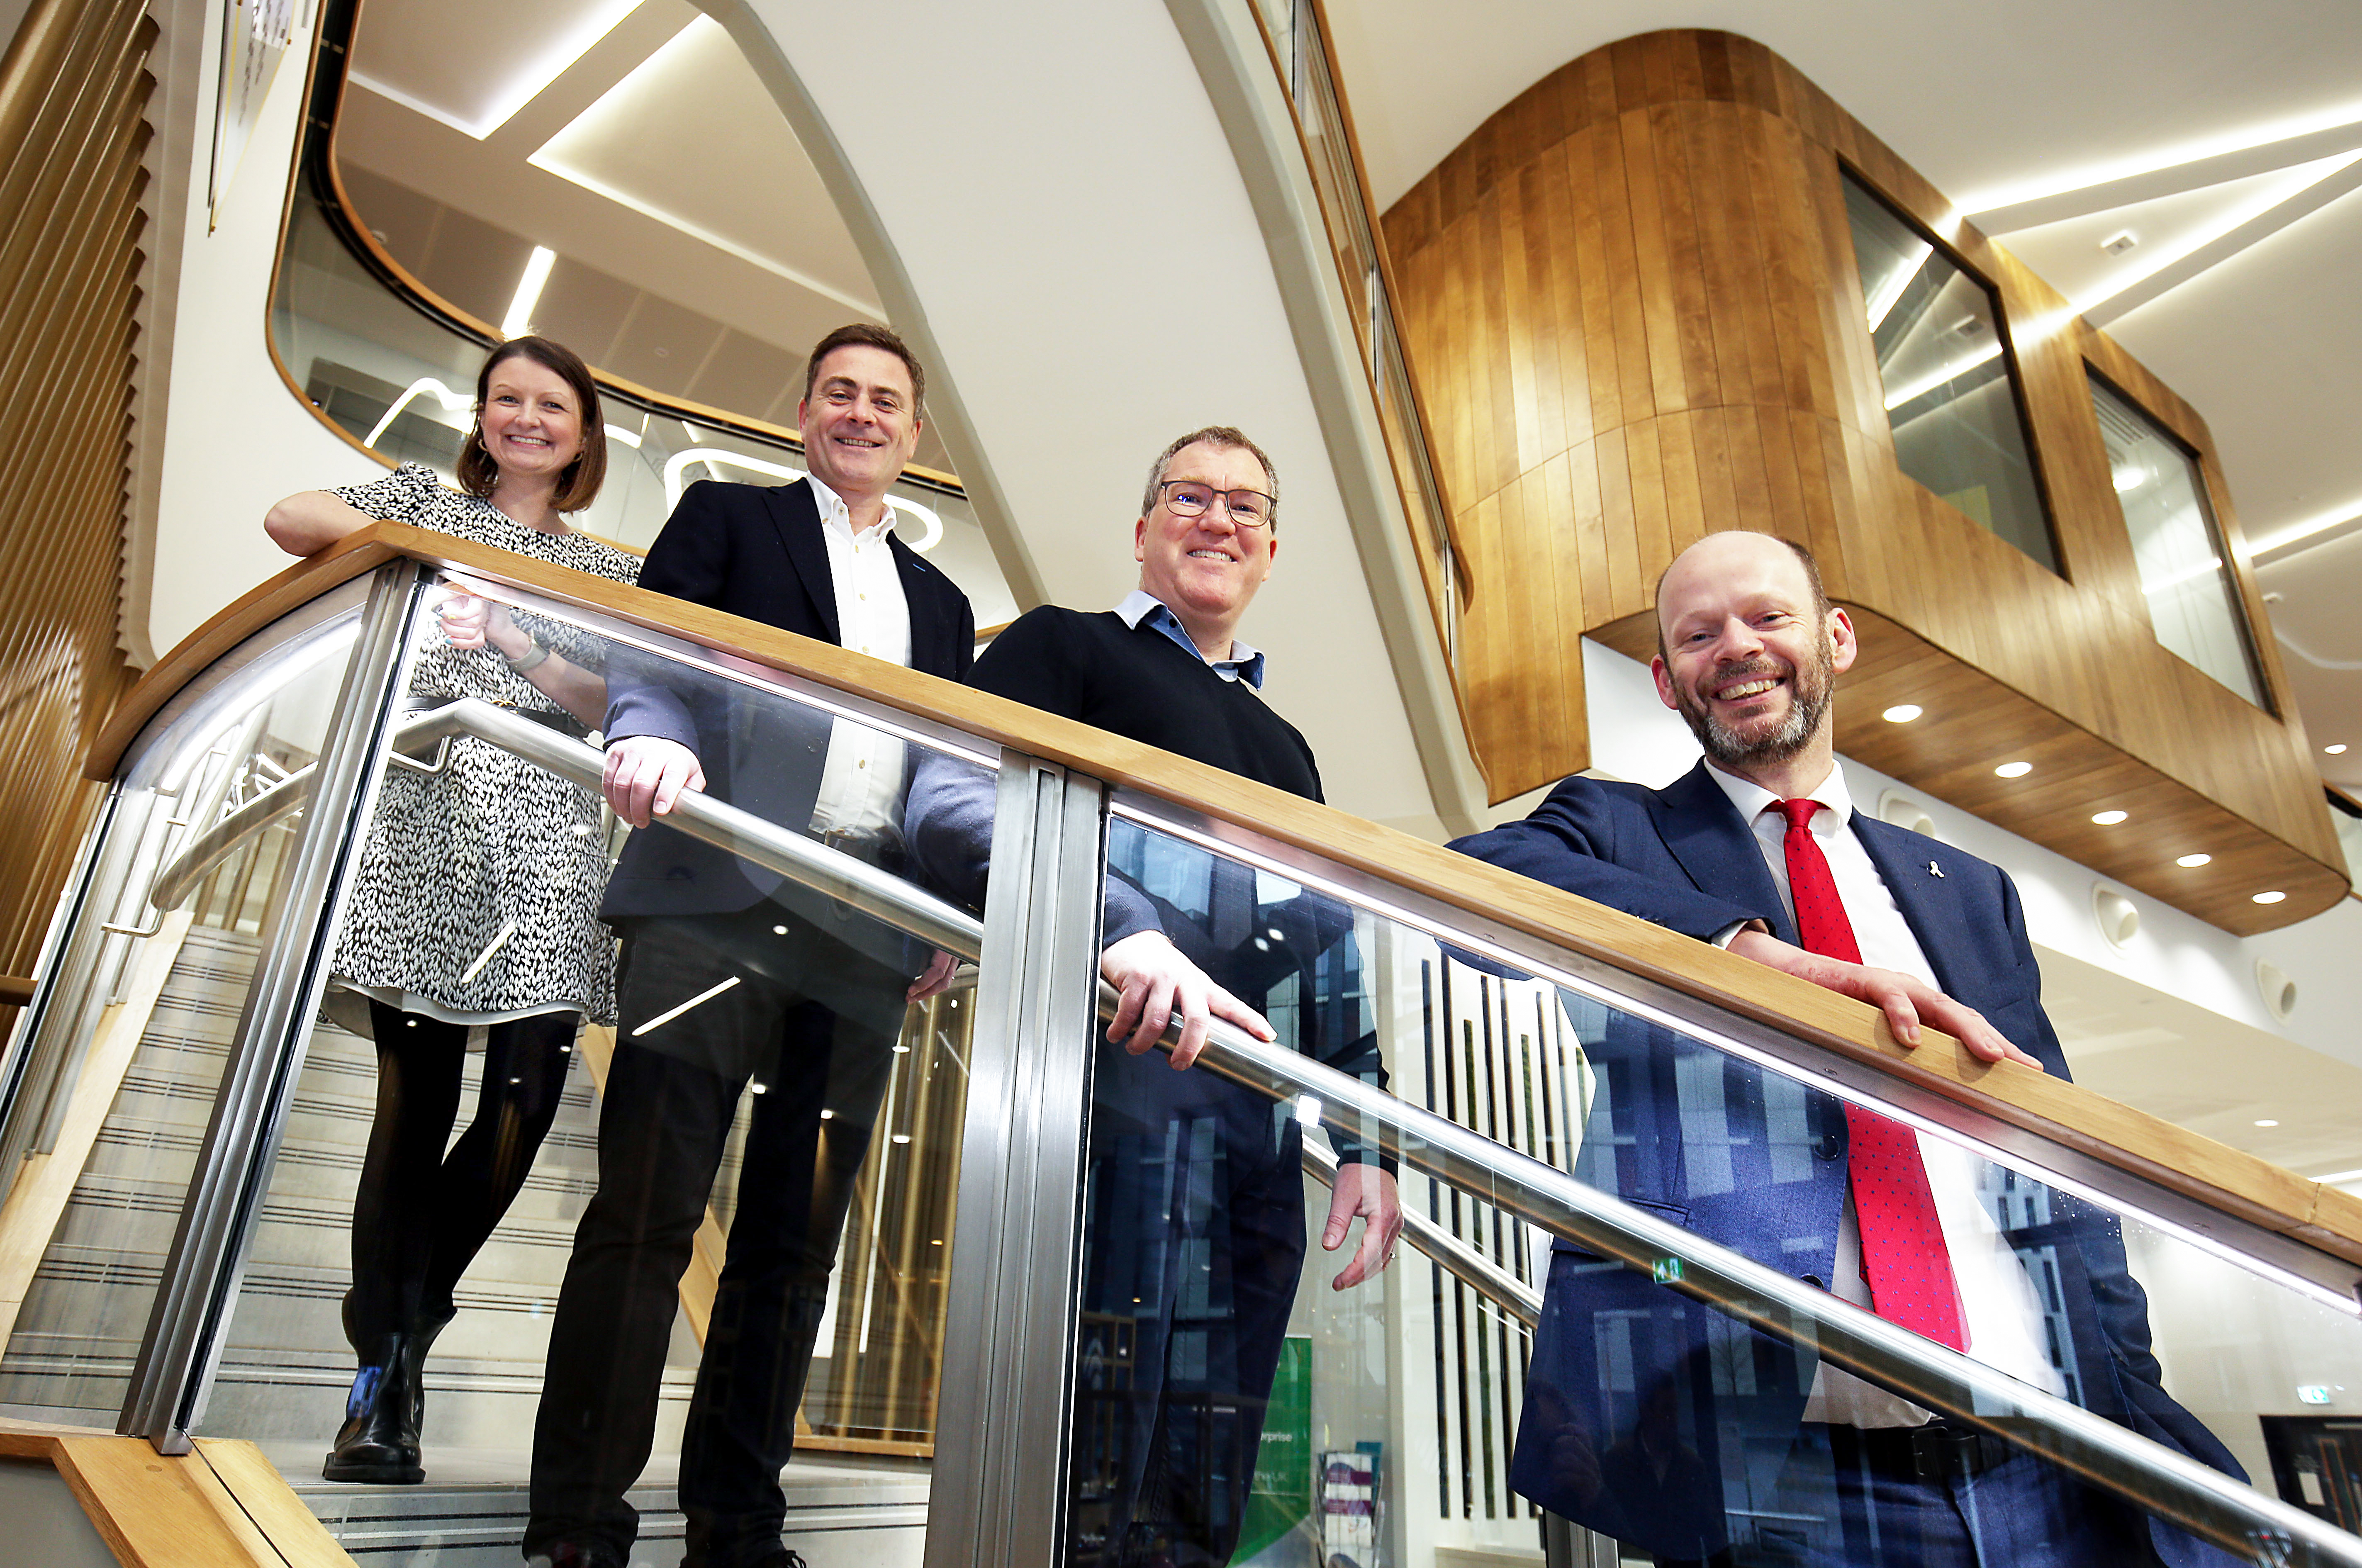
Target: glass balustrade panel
(1503, 1390)
(121, 1067)
(620, 1159)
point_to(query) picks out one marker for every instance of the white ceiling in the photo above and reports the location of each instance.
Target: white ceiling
(2023, 99)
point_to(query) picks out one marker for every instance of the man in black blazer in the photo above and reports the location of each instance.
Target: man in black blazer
(731, 976)
(1786, 1460)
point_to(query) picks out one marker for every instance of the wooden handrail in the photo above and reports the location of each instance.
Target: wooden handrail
(2232, 1181)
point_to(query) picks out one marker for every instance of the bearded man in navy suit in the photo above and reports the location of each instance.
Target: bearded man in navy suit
(1787, 1460)
(730, 976)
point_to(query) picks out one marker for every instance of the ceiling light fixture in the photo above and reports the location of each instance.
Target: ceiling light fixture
(2110, 818)
(2013, 770)
(519, 320)
(2192, 862)
(1984, 205)
(526, 85)
(2335, 517)
(2271, 898)
(2266, 1121)
(2337, 750)
(2286, 192)
(1903, 713)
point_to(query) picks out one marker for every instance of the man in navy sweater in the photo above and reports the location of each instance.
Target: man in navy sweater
(1189, 1174)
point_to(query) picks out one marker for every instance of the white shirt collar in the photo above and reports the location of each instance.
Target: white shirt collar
(1752, 799)
(1246, 661)
(834, 512)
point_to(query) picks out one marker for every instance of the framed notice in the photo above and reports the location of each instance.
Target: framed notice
(255, 35)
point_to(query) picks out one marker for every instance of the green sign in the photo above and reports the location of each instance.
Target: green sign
(1281, 1503)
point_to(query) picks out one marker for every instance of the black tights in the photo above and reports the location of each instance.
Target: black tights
(421, 1215)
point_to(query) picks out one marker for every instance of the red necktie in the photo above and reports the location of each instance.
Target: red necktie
(1902, 1252)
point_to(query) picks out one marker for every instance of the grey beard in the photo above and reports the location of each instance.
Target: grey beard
(1806, 712)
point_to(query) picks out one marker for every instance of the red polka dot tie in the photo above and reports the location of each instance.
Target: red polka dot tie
(1902, 1252)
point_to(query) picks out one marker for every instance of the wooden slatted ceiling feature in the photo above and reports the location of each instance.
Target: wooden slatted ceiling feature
(73, 87)
(1631, 300)
(2228, 1179)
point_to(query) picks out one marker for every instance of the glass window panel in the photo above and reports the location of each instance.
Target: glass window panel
(1232, 1406)
(611, 1145)
(1950, 389)
(126, 1060)
(2192, 600)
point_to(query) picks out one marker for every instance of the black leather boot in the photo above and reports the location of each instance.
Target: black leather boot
(386, 1411)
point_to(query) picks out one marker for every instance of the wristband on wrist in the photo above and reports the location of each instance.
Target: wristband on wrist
(532, 659)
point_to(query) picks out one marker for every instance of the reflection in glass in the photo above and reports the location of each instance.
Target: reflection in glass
(132, 1050)
(1950, 390)
(637, 1334)
(2183, 571)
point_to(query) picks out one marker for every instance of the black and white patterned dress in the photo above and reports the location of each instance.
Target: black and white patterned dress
(477, 896)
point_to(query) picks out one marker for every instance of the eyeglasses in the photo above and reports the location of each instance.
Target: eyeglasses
(1191, 498)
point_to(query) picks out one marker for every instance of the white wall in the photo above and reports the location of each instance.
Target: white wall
(236, 439)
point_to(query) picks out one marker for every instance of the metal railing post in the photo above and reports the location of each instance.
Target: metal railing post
(194, 1299)
(1007, 1395)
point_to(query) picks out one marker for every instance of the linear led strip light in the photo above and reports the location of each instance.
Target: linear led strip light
(527, 84)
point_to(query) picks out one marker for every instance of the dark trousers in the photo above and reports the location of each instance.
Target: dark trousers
(1838, 1511)
(420, 1214)
(1194, 1242)
(670, 1096)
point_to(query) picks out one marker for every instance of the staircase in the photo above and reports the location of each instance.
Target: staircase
(285, 1368)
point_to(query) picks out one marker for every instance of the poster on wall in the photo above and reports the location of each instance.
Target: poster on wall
(256, 36)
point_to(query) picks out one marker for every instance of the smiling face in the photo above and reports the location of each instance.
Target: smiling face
(1206, 568)
(1748, 660)
(861, 423)
(532, 426)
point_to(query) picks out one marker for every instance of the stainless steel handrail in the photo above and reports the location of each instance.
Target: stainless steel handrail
(2151, 1475)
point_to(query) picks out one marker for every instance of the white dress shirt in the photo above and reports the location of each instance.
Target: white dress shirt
(2002, 1313)
(861, 781)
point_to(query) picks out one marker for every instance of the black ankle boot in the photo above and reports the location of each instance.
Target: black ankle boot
(379, 1441)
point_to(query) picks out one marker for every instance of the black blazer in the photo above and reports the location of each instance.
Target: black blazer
(755, 551)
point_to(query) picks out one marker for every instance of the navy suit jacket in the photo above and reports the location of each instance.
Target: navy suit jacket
(1756, 1162)
(755, 551)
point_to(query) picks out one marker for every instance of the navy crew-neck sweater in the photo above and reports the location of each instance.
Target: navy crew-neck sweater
(1142, 685)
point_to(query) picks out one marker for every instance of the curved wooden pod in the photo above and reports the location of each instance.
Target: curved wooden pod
(1631, 300)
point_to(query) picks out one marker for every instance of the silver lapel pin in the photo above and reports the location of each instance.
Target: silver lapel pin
(1933, 869)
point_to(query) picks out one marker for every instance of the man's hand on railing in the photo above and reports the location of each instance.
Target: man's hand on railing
(1365, 1190)
(1156, 980)
(933, 979)
(1907, 1002)
(646, 774)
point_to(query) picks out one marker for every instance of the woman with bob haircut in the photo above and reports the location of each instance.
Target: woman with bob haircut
(474, 903)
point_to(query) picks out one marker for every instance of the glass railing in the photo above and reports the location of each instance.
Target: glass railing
(1080, 1311)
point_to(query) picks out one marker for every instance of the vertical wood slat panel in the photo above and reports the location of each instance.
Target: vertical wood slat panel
(73, 92)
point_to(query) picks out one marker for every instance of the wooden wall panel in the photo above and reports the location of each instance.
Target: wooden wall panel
(74, 88)
(1640, 273)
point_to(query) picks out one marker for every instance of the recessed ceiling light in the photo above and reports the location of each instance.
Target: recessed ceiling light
(1903, 712)
(2013, 770)
(2337, 750)
(2193, 861)
(2109, 819)
(2271, 898)
(2119, 242)
(2266, 1121)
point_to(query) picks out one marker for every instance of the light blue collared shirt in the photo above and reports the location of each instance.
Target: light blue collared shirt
(1245, 662)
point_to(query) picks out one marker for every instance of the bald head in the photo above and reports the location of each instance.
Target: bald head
(1748, 649)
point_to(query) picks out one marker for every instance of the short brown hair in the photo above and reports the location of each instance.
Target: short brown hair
(579, 482)
(1821, 605)
(1222, 438)
(868, 335)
